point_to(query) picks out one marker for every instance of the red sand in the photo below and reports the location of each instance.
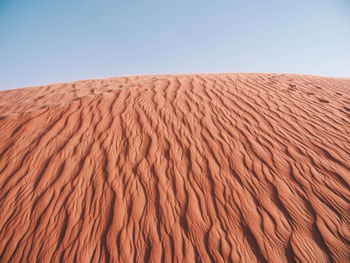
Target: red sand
(184, 168)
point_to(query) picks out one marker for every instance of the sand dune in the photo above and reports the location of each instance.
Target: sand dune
(177, 168)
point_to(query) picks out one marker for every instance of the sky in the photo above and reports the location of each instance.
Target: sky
(46, 41)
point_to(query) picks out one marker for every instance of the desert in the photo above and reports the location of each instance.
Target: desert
(177, 168)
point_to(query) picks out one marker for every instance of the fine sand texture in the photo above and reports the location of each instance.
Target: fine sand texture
(177, 168)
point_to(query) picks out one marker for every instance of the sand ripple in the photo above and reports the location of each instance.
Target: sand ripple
(177, 168)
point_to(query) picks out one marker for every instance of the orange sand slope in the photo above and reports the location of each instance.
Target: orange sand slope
(183, 168)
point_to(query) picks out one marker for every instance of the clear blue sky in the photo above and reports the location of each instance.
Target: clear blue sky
(44, 41)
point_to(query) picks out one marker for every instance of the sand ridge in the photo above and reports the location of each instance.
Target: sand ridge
(177, 168)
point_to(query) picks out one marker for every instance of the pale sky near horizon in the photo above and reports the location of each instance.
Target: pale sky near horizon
(44, 42)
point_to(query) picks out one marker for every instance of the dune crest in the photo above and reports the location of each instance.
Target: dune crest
(177, 168)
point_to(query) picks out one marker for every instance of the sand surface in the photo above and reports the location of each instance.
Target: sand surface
(177, 168)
